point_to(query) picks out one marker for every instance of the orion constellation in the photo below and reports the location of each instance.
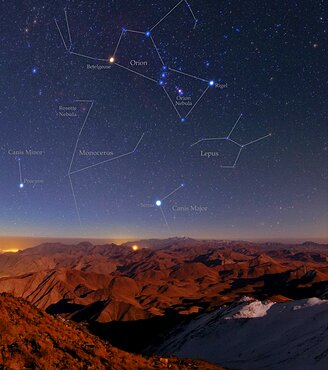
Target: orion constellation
(164, 69)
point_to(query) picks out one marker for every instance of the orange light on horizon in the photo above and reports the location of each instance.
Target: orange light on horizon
(135, 248)
(9, 250)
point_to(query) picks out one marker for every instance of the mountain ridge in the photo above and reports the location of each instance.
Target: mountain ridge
(166, 277)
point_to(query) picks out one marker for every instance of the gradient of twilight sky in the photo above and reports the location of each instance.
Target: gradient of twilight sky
(271, 54)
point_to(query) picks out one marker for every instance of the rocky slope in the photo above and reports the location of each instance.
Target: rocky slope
(32, 339)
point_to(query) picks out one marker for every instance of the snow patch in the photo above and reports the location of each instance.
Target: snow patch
(280, 336)
(311, 302)
(252, 310)
(245, 298)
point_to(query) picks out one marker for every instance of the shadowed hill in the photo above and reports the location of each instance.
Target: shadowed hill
(32, 339)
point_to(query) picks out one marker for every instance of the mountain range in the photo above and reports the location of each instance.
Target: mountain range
(135, 298)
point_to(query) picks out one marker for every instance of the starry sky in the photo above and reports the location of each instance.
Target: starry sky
(268, 62)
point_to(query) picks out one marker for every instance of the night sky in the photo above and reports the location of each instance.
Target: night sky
(268, 62)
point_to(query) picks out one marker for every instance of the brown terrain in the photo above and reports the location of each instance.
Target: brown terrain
(129, 298)
(32, 339)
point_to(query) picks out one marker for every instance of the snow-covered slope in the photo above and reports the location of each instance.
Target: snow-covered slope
(253, 335)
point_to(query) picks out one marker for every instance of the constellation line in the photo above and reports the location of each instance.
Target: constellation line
(232, 130)
(254, 141)
(112, 59)
(61, 35)
(165, 219)
(87, 56)
(109, 160)
(137, 73)
(159, 55)
(134, 31)
(192, 13)
(175, 108)
(118, 43)
(228, 138)
(75, 202)
(199, 99)
(187, 74)
(160, 21)
(79, 135)
(20, 172)
(174, 191)
(68, 30)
